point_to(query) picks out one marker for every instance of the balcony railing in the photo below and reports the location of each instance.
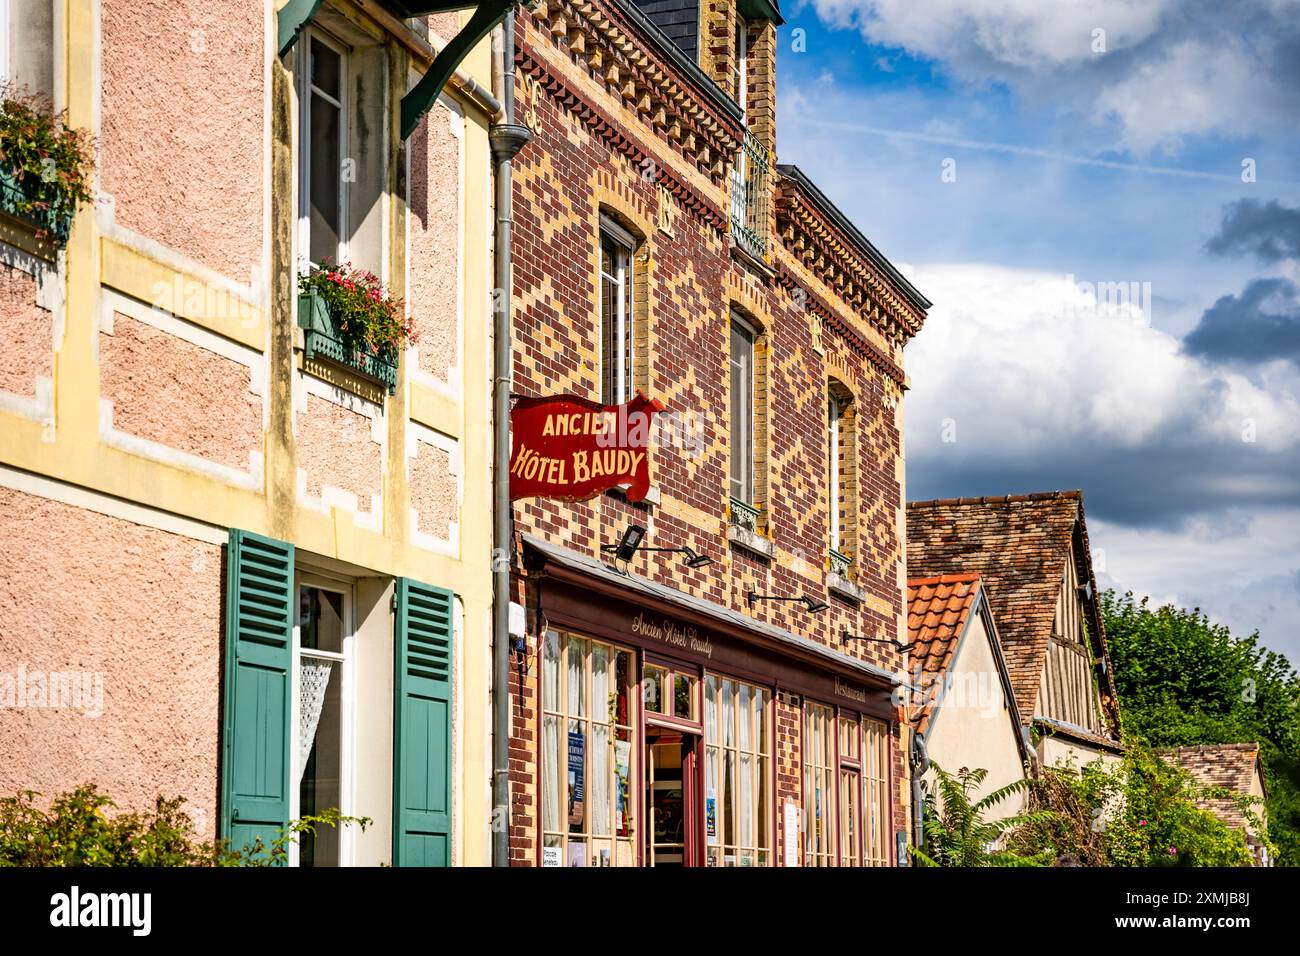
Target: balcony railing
(749, 196)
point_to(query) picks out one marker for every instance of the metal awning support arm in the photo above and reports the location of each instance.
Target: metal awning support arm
(425, 93)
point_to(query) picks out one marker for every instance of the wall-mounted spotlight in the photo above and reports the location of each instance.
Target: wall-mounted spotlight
(1085, 589)
(630, 544)
(811, 605)
(845, 636)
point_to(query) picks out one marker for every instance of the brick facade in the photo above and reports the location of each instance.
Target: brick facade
(618, 130)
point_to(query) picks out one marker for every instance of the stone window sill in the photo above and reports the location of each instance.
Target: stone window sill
(843, 587)
(751, 541)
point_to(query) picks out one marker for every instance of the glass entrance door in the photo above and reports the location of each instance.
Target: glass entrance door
(671, 799)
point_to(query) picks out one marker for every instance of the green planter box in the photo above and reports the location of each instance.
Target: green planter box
(321, 341)
(56, 221)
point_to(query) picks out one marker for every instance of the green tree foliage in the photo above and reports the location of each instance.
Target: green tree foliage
(956, 833)
(1183, 680)
(79, 830)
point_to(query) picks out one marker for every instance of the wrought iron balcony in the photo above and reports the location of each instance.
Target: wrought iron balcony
(750, 191)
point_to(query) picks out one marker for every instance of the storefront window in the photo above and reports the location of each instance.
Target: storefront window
(737, 794)
(588, 759)
(655, 690)
(818, 785)
(875, 739)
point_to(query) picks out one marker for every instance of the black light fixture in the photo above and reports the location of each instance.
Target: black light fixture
(630, 544)
(845, 636)
(1085, 589)
(811, 605)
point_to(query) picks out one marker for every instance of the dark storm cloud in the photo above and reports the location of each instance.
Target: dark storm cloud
(1269, 231)
(1260, 325)
(1177, 474)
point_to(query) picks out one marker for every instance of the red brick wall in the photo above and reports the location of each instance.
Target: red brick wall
(589, 151)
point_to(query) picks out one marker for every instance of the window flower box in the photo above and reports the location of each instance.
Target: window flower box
(321, 341)
(22, 201)
(349, 318)
(45, 165)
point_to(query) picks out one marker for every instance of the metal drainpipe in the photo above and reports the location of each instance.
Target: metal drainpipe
(920, 767)
(506, 139)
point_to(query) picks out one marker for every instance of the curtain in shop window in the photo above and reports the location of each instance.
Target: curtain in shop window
(553, 758)
(600, 742)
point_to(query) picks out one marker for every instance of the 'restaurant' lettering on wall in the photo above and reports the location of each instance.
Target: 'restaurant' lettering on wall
(849, 691)
(573, 449)
(670, 632)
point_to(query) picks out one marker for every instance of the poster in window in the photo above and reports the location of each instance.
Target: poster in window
(577, 853)
(577, 780)
(552, 856)
(622, 761)
(711, 816)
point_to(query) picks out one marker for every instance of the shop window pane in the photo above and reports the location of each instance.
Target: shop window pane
(602, 853)
(553, 762)
(848, 738)
(576, 762)
(728, 714)
(655, 681)
(746, 835)
(577, 655)
(763, 820)
(746, 717)
(601, 773)
(761, 697)
(551, 671)
(623, 681)
(601, 703)
(711, 709)
(684, 697)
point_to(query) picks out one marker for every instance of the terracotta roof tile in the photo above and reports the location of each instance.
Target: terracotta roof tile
(937, 611)
(1019, 545)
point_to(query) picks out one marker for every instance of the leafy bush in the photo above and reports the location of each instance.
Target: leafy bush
(1142, 813)
(956, 833)
(77, 830)
(366, 318)
(45, 165)
(1183, 680)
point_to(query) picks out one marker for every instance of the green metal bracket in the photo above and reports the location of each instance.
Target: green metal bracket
(422, 97)
(291, 19)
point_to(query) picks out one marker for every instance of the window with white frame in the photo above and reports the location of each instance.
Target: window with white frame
(589, 757)
(617, 334)
(737, 773)
(27, 44)
(834, 414)
(742, 57)
(743, 338)
(322, 185)
(319, 754)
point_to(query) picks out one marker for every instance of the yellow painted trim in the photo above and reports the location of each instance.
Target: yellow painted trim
(189, 297)
(437, 411)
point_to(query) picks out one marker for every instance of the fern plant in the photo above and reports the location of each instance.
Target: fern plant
(956, 831)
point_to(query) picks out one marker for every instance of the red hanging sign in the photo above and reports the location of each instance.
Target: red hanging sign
(573, 449)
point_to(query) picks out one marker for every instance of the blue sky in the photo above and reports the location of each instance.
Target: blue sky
(1085, 157)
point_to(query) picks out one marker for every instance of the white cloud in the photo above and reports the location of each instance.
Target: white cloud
(1194, 88)
(1170, 68)
(1021, 34)
(1027, 363)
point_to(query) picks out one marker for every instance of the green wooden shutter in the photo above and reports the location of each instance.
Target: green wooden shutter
(259, 658)
(422, 648)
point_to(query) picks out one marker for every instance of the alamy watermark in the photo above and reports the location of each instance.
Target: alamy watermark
(23, 689)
